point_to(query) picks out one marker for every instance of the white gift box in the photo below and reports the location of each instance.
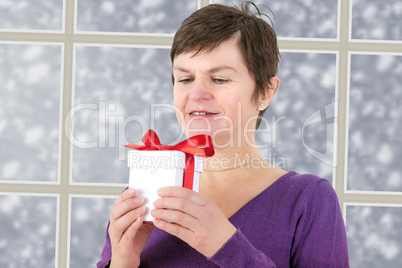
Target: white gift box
(152, 170)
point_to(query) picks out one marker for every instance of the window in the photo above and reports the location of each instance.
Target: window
(81, 78)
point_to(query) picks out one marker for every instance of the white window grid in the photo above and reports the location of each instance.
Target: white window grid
(344, 46)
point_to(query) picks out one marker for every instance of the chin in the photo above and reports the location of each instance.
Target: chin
(195, 132)
(222, 138)
(211, 129)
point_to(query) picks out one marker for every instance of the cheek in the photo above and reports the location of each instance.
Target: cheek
(179, 105)
(178, 100)
(243, 112)
(234, 106)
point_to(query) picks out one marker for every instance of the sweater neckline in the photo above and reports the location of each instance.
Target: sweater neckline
(266, 190)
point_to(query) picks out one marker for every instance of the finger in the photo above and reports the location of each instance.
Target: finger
(174, 229)
(131, 231)
(128, 193)
(181, 192)
(180, 204)
(125, 207)
(120, 226)
(175, 216)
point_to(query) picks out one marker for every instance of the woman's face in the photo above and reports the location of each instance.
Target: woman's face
(213, 93)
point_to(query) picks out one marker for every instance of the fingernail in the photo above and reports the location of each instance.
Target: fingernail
(156, 202)
(130, 191)
(160, 191)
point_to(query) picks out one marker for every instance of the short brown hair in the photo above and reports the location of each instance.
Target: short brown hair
(209, 26)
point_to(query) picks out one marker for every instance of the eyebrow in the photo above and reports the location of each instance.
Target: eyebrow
(211, 71)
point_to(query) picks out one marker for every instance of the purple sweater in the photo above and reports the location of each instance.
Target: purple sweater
(295, 222)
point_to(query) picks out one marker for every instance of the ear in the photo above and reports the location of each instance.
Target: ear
(270, 91)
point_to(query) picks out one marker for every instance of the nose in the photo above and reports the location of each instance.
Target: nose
(200, 91)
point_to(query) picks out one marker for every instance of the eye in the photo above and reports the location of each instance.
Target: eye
(220, 80)
(185, 81)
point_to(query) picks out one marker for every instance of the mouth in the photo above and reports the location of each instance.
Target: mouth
(201, 113)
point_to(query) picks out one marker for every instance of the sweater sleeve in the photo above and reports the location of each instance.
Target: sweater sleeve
(320, 236)
(239, 252)
(107, 248)
(106, 252)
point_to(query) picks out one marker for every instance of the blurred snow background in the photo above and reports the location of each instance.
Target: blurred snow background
(375, 123)
(28, 231)
(122, 83)
(31, 15)
(376, 20)
(374, 236)
(141, 16)
(30, 81)
(299, 18)
(307, 88)
(89, 218)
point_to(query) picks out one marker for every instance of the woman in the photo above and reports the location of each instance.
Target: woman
(247, 213)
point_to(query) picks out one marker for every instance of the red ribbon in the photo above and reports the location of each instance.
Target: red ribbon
(199, 145)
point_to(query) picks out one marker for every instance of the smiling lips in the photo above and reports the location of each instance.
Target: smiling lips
(202, 113)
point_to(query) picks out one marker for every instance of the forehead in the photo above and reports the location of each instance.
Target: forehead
(226, 53)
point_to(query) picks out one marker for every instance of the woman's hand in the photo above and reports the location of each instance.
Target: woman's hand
(128, 234)
(193, 218)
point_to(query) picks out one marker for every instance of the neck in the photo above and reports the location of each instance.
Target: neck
(235, 159)
(233, 156)
(231, 164)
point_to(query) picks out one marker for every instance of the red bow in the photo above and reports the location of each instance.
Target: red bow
(200, 145)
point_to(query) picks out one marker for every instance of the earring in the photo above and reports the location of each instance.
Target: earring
(261, 107)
